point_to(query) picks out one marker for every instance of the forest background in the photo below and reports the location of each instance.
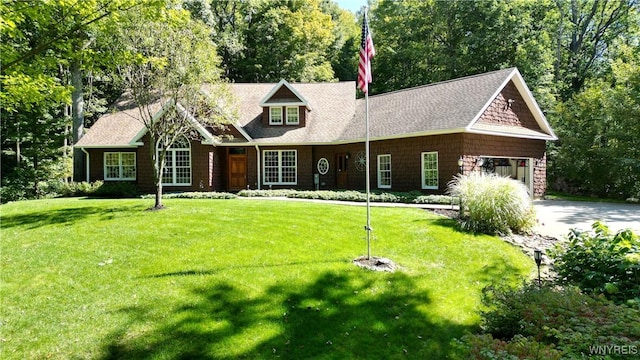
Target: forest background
(62, 62)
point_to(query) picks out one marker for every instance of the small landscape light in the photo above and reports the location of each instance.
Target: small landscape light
(537, 256)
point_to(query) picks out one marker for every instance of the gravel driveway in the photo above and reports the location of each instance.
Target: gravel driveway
(557, 217)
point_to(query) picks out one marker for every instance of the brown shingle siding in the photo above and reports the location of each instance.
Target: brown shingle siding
(510, 109)
(283, 94)
(438, 118)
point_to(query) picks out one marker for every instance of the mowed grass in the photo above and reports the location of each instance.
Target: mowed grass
(226, 279)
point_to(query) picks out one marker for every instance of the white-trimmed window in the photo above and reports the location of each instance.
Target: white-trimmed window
(430, 170)
(280, 167)
(119, 166)
(384, 171)
(177, 165)
(275, 115)
(293, 115)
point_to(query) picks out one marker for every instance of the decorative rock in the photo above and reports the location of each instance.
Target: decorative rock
(528, 243)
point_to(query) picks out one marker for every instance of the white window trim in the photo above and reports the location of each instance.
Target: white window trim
(172, 152)
(297, 112)
(120, 166)
(279, 182)
(423, 180)
(380, 185)
(271, 121)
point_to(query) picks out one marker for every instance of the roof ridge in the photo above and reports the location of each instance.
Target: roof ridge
(510, 69)
(295, 83)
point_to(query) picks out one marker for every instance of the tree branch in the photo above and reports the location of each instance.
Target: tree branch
(64, 35)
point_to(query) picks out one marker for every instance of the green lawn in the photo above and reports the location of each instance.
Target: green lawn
(226, 279)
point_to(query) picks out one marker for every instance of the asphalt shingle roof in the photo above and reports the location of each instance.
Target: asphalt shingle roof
(337, 116)
(117, 128)
(332, 104)
(440, 107)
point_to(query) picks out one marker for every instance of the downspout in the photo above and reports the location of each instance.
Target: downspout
(87, 166)
(258, 162)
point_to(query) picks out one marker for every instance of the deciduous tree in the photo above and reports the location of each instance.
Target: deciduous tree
(165, 61)
(599, 152)
(421, 42)
(287, 40)
(586, 30)
(46, 51)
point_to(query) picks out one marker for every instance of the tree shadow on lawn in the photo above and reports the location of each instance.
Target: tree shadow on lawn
(34, 220)
(257, 266)
(351, 315)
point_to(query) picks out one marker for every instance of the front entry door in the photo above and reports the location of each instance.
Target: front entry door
(341, 171)
(237, 171)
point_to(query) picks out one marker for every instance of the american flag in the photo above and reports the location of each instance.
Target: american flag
(367, 51)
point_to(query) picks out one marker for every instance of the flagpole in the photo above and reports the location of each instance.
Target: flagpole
(367, 176)
(367, 51)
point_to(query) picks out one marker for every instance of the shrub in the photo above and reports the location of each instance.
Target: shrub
(57, 188)
(563, 319)
(13, 192)
(198, 195)
(485, 347)
(329, 195)
(85, 189)
(265, 193)
(49, 189)
(493, 204)
(352, 195)
(436, 199)
(601, 262)
(117, 189)
(347, 195)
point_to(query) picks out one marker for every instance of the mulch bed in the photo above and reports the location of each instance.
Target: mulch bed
(375, 263)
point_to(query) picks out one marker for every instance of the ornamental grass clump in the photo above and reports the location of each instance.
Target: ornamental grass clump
(493, 204)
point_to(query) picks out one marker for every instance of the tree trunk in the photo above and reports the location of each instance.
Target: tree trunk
(36, 165)
(18, 154)
(158, 204)
(77, 116)
(560, 35)
(157, 158)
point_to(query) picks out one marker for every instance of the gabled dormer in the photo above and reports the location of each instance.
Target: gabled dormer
(284, 106)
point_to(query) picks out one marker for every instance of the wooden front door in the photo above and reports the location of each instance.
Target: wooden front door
(237, 171)
(341, 171)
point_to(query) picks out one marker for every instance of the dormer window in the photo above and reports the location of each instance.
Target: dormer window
(293, 115)
(284, 106)
(275, 116)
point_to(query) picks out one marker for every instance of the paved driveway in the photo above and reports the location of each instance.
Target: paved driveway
(557, 217)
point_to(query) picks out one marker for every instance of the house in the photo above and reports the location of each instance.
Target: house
(312, 136)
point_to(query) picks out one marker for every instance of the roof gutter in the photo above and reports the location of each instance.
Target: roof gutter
(258, 166)
(544, 137)
(87, 166)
